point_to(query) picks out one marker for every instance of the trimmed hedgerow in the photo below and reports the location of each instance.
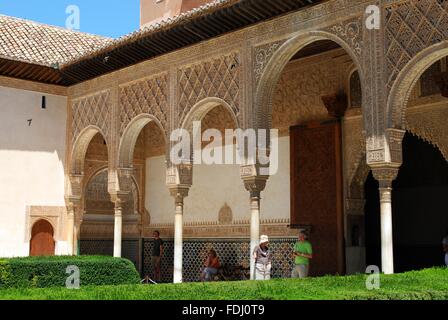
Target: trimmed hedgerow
(44, 272)
(425, 284)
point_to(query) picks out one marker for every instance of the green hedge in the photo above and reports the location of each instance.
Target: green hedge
(43, 272)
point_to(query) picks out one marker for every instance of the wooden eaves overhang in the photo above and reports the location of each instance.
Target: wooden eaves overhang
(206, 22)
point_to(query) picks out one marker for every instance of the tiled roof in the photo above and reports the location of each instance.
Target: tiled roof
(35, 43)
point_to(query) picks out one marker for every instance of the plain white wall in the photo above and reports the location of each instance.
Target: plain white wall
(31, 161)
(213, 186)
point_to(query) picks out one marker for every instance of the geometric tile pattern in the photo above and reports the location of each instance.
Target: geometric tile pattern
(218, 77)
(412, 26)
(147, 96)
(92, 110)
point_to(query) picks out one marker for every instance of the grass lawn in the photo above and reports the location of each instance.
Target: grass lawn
(425, 284)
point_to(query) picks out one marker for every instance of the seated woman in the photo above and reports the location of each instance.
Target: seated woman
(212, 265)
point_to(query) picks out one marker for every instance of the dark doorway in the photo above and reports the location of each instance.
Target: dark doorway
(42, 242)
(420, 209)
(316, 192)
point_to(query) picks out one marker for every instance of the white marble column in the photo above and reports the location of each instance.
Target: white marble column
(70, 230)
(178, 241)
(385, 177)
(254, 183)
(118, 225)
(254, 228)
(77, 236)
(387, 247)
(179, 179)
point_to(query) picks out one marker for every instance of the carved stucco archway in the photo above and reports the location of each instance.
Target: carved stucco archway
(200, 110)
(268, 81)
(77, 161)
(135, 189)
(407, 79)
(130, 136)
(80, 147)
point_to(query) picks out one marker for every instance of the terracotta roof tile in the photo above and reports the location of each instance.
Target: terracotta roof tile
(35, 43)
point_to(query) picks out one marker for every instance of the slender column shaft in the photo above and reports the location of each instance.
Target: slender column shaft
(75, 240)
(118, 230)
(254, 228)
(71, 231)
(178, 242)
(387, 251)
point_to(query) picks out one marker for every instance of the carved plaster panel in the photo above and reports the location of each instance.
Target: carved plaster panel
(412, 26)
(351, 32)
(92, 110)
(148, 96)
(218, 77)
(262, 56)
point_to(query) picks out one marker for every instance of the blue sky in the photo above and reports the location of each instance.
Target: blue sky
(111, 18)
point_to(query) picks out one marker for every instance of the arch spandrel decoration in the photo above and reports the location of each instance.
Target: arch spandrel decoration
(412, 26)
(262, 56)
(347, 34)
(351, 32)
(407, 79)
(147, 96)
(93, 110)
(218, 77)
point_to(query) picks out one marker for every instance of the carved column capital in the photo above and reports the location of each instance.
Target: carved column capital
(124, 176)
(179, 193)
(180, 176)
(73, 203)
(75, 186)
(119, 198)
(179, 179)
(252, 182)
(385, 175)
(391, 150)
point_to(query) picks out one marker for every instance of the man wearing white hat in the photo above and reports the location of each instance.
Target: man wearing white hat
(263, 261)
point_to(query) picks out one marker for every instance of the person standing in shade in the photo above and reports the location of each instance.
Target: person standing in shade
(303, 253)
(445, 247)
(157, 252)
(263, 259)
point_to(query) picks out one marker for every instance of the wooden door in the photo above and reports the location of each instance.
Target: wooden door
(42, 242)
(316, 192)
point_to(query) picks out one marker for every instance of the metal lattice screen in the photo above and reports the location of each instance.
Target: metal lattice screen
(230, 252)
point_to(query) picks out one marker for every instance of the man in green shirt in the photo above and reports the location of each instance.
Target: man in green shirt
(303, 252)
